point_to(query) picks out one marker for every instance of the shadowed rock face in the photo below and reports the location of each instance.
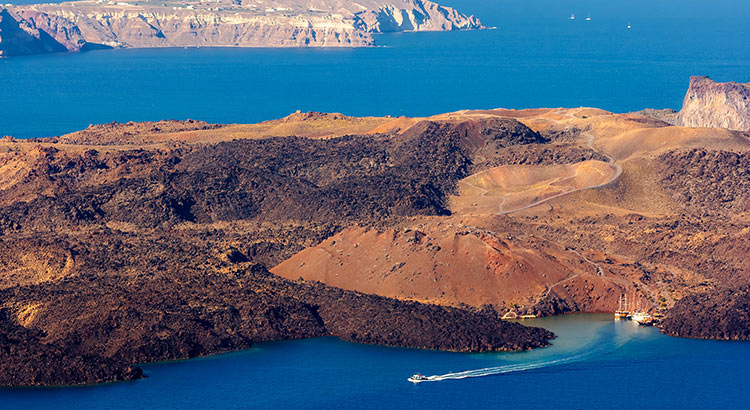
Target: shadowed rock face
(716, 105)
(20, 38)
(719, 314)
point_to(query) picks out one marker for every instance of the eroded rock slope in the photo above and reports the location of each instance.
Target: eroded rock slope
(717, 105)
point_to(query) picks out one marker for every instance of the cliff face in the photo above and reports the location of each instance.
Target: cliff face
(21, 37)
(84, 25)
(716, 105)
(416, 15)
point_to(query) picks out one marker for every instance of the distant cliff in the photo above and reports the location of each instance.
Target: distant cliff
(415, 15)
(19, 37)
(717, 105)
(83, 25)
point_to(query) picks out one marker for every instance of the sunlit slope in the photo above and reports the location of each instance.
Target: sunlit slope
(450, 264)
(509, 188)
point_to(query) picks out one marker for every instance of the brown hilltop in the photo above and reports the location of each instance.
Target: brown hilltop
(633, 234)
(443, 263)
(133, 133)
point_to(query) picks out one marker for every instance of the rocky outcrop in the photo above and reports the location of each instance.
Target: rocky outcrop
(415, 15)
(716, 105)
(20, 37)
(719, 314)
(86, 25)
(128, 253)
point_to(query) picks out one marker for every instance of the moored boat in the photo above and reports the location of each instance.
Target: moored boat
(622, 311)
(642, 318)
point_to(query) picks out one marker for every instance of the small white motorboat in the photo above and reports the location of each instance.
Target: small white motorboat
(418, 378)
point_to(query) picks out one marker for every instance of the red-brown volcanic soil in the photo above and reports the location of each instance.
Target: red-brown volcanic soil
(450, 264)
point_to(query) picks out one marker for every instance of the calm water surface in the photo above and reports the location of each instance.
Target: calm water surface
(596, 363)
(536, 57)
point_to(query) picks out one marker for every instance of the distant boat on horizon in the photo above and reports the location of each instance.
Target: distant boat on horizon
(572, 16)
(588, 18)
(629, 26)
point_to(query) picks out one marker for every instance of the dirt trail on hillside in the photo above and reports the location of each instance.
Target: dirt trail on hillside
(510, 188)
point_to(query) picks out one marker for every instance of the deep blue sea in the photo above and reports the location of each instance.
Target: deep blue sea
(536, 57)
(595, 363)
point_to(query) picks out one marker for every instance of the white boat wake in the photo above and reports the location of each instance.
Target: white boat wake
(488, 371)
(511, 368)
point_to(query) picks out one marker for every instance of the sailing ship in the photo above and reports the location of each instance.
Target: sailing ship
(622, 311)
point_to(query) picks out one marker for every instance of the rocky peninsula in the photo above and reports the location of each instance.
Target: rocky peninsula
(137, 242)
(86, 25)
(134, 252)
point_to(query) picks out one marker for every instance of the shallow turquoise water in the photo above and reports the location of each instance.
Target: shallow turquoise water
(536, 57)
(605, 365)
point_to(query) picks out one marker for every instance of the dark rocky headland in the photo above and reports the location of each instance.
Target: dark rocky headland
(110, 257)
(130, 243)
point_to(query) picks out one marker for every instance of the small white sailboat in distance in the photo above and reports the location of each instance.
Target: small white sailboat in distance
(588, 18)
(629, 26)
(572, 16)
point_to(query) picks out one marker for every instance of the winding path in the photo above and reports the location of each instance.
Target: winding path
(589, 138)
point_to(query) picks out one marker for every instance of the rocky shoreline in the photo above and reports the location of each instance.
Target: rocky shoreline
(722, 314)
(115, 257)
(112, 322)
(138, 242)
